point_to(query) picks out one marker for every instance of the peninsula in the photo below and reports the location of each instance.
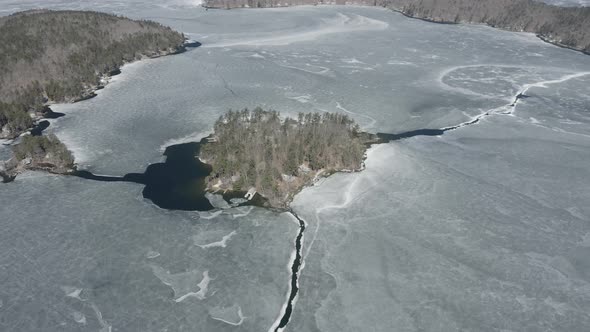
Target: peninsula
(277, 157)
(60, 57)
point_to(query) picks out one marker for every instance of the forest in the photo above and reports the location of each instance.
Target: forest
(279, 156)
(60, 56)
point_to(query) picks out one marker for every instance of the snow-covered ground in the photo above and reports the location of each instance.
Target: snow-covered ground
(483, 228)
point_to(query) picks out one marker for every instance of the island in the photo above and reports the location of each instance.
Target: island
(38, 153)
(258, 151)
(51, 57)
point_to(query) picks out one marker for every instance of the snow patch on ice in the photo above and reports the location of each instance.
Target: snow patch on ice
(221, 243)
(351, 60)
(304, 99)
(152, 254)
(72, 292)
(255, 55)
(209, 215)
(309, 68)
(400, 63)
(231, 315)
(182, 283)
(203, 286)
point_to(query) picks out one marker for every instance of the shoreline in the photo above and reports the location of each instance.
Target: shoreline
(558, 44)
(425, 19)
(105, 78)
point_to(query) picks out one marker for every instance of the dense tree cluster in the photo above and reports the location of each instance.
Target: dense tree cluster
(14, 118)
(563, 25)
(44, 152)
(277, 157)
(59, 56)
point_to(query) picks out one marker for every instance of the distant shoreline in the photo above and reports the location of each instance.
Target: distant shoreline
(408, 15)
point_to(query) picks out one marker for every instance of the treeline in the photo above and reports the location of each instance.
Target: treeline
(60, 56)
(566, 26)
(277, 157)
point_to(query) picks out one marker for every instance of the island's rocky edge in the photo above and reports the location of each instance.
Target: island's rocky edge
(563, 26)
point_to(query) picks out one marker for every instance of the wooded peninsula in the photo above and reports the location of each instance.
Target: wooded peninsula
(257, 149)
(64, 56)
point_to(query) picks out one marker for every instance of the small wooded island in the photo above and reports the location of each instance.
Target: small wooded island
(257, 149)
(60, 57)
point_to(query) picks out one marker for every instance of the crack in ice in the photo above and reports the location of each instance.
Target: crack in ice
(510, 108)
(296, 267)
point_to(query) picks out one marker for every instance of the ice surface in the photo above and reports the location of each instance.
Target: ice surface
(85, 246)
(339, 24)
(473, 230)
(483, 228)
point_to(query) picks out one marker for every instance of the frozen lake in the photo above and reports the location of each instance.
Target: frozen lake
(485, 228)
